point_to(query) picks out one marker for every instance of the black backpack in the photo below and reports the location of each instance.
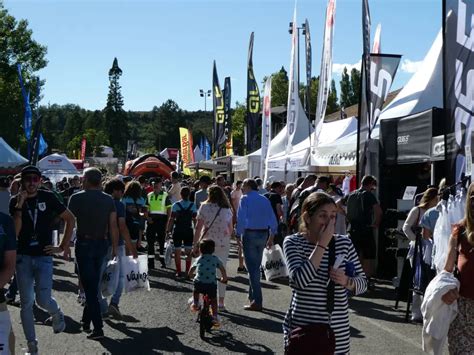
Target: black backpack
(184, 217)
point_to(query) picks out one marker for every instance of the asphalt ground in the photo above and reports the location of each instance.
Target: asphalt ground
(159, 321)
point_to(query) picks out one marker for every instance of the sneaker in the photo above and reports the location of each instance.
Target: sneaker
(58, 322)
(32, 348)
(114, 311)
(242, 270)
(96, 335)
(195, 307)
(81, 298)
(216, 322)
(221, 308)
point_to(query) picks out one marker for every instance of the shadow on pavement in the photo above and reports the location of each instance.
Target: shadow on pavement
(255, 323)
(274, 314)
(226, 340)
(245, 281)
(146, 341)
(356, 333)
(65, 286)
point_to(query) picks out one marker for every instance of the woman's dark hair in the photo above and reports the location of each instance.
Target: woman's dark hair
(207, 246)
(312, 204)
(133, 190)
(216, 195)
(114, 185)
(185, 192)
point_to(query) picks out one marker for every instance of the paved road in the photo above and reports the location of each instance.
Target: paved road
(159, 321)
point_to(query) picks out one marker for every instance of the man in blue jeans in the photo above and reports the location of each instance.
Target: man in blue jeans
(255, 219)
(96, 219)
(34, 211)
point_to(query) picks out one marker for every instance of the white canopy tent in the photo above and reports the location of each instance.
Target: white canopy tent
(9, 158)
(56, 166)
(298, 159)
(423, 91)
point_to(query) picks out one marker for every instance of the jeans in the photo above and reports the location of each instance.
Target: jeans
(34, 277)
(90, 255)
(118, 292)
(253, 243)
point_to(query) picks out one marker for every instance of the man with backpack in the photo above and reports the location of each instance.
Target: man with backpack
(180, 224)
(364, 215)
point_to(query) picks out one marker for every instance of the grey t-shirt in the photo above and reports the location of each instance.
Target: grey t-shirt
(4, 201)
(200, 197)
(92, 209)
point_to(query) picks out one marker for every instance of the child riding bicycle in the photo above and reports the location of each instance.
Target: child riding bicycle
(205, 281)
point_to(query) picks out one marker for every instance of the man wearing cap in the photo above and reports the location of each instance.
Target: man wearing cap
(159, 211)
(34, 212)
(96, 220)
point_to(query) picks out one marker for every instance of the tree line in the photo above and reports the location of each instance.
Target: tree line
(64, 126)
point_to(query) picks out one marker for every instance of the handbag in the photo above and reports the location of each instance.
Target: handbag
(316, 338)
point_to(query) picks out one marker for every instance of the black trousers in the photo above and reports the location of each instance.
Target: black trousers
(156, 232)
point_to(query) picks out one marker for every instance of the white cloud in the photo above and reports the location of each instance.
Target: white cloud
(409, 66)
(339, 68)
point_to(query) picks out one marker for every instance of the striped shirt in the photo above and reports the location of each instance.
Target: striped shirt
(308, 303)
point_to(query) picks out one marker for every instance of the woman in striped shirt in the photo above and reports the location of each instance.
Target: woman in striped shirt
(307, 255)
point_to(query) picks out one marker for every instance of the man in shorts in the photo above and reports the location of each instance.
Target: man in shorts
(364, 215)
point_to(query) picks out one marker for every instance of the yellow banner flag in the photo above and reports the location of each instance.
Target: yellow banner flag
(187, 153)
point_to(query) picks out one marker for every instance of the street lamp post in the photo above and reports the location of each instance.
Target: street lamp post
(303, 32)
(205, 94)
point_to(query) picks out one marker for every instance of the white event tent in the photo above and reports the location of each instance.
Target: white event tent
(423, 92)
(9, 158)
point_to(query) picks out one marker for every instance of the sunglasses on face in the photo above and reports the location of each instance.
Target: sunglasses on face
(32, 178)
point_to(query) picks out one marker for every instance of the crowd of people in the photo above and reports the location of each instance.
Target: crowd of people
(326, 227)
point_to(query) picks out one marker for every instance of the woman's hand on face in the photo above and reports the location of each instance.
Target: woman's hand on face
(339, 276)
(327, 232)
(450, 296)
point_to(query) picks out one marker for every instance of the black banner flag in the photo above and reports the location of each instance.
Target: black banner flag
(218, 102)
(458, 84)
(253, 104)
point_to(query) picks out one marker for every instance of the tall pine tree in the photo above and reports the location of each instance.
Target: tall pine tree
(346, 89)
(115, 116)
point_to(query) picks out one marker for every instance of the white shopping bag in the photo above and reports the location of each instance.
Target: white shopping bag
(274, 263)
(169, 249)
(135, 273)
(110, 278)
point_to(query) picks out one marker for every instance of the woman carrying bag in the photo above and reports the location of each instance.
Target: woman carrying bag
(318, 318)
(412, 229)
(214, 221)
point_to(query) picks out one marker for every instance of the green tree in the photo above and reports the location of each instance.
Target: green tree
(238, 126)
(17, 46)
(166, 120)
(115, 117)
(346, 89)
(332, 106)
(279, 87)
(355, 85)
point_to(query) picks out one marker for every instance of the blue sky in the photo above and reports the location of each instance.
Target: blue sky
(166, 47)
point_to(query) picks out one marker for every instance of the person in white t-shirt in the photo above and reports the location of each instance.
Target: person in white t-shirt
(235, 196)
(174, 191)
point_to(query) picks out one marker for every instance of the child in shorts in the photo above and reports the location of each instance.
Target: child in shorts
(205, 281)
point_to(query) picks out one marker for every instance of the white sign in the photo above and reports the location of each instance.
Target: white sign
(468, 160)
(410, 192)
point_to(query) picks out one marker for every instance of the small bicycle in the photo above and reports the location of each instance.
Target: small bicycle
(205, 316)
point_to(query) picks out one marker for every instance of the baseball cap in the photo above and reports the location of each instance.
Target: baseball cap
(30, 169)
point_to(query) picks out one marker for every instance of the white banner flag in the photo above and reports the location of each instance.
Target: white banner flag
(293, 87)
(266, 128)
(326, 69)
(377, 48)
